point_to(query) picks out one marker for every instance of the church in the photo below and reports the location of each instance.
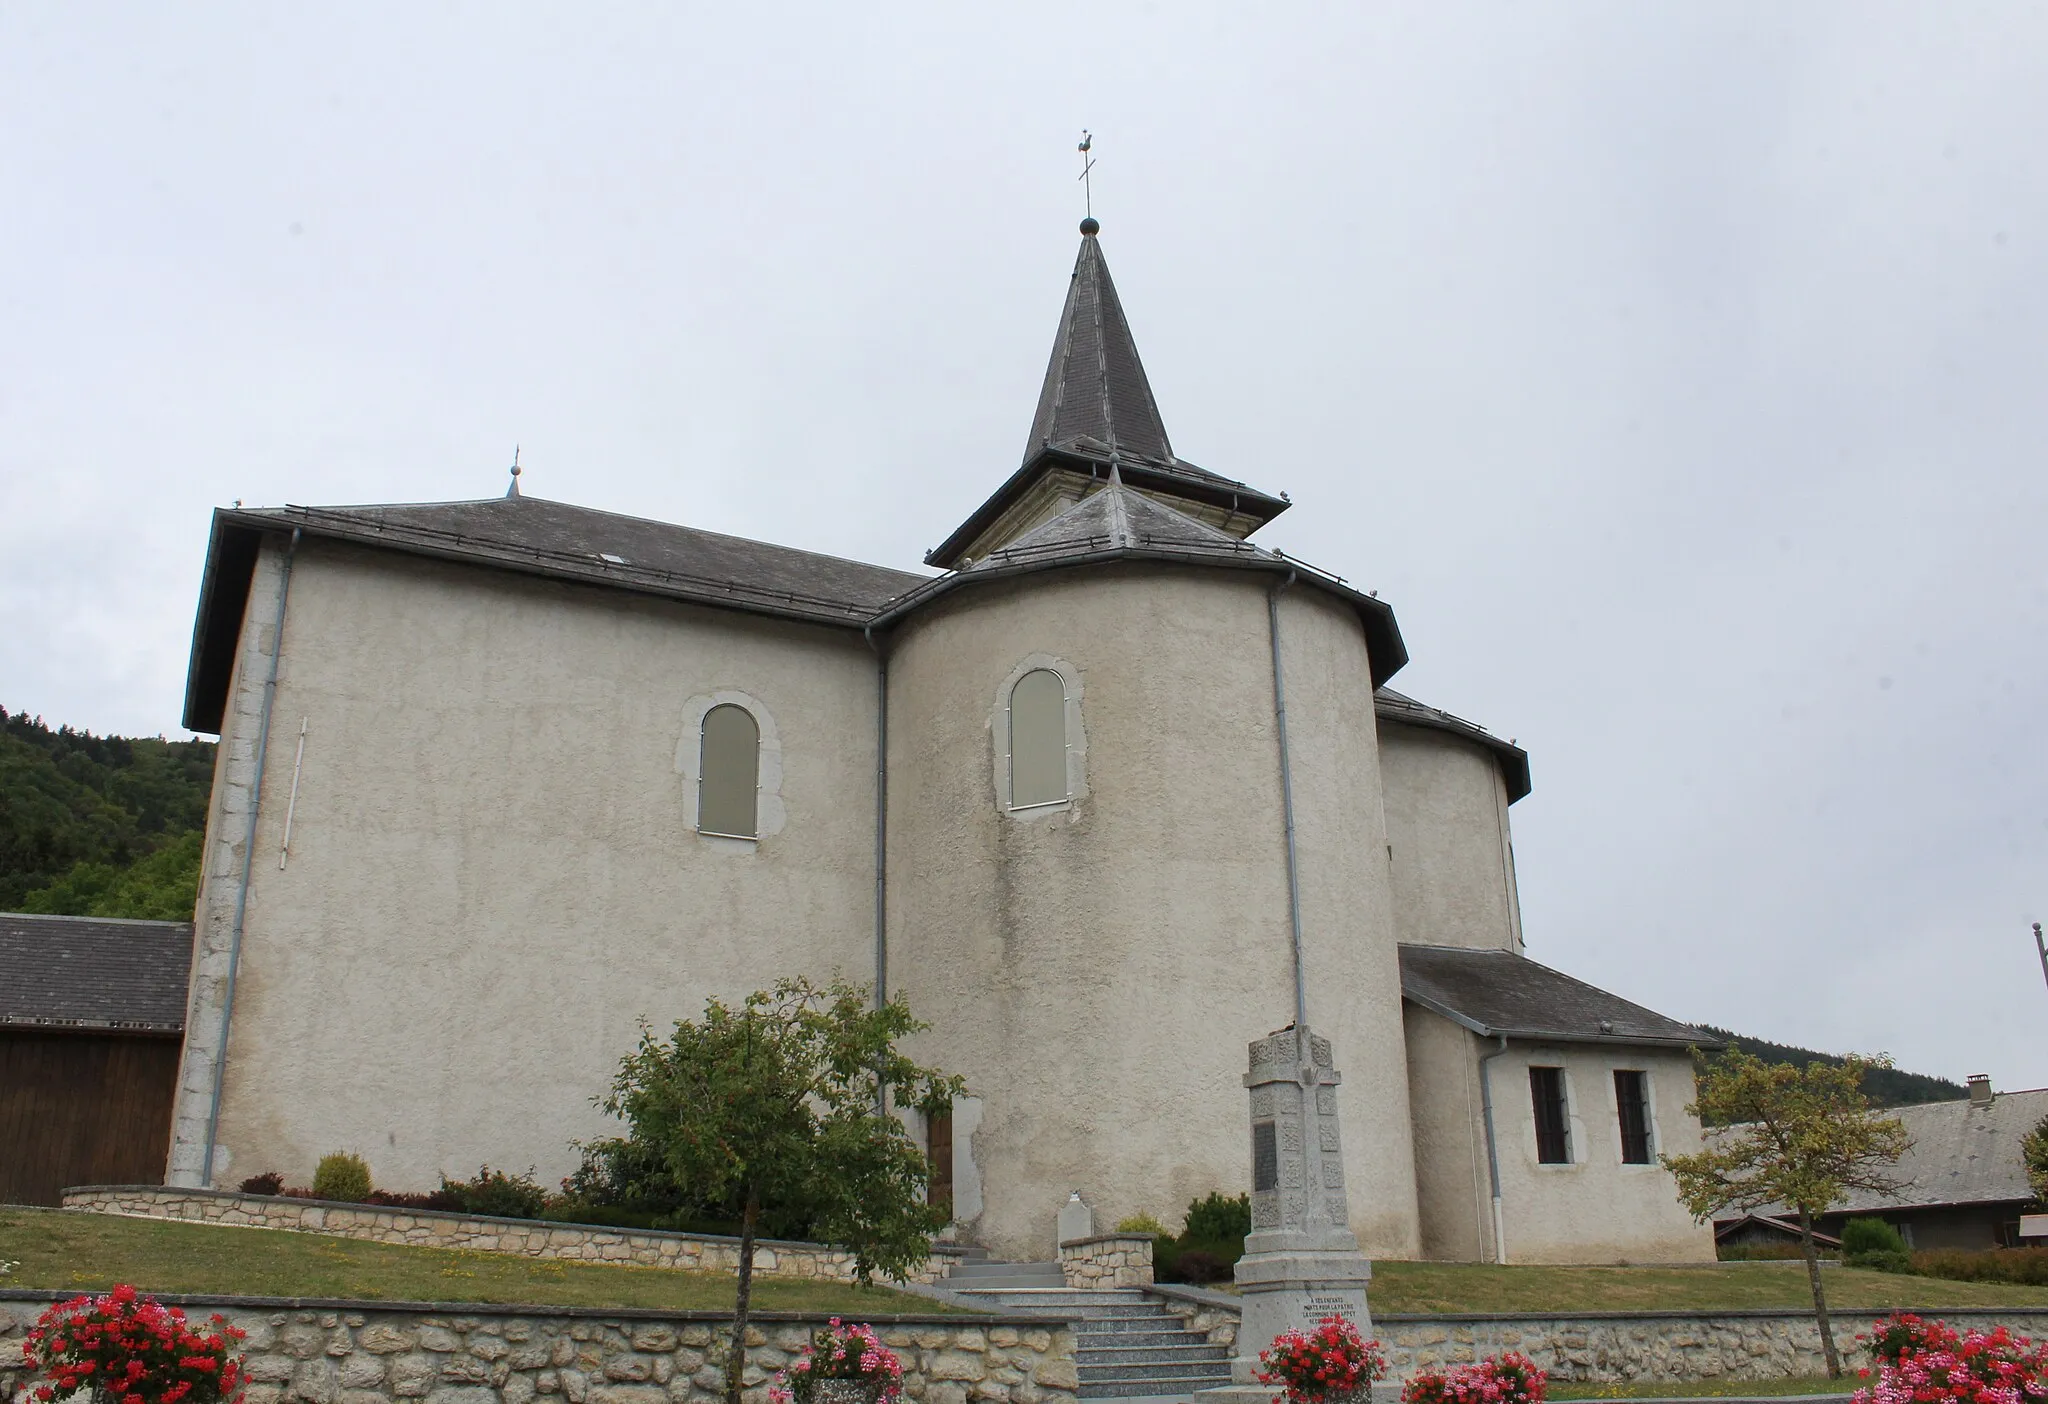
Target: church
(1113, 793)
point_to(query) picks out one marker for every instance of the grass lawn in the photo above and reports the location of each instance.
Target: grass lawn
(67, 1251)
(1707, 1389)
(1462, 1287)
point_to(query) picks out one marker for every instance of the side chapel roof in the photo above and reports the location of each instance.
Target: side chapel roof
(1393, 706)
(94, 972)
(1495, 993)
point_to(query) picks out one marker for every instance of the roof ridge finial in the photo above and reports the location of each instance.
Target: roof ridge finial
(513, 490)
(1089, 226)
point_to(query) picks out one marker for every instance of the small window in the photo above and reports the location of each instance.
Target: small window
(729, 774)
(1038, 739)
(1553, 1130)
(1632, 1101)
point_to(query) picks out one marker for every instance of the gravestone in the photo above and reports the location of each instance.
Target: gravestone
(1301, 1261)
(1077, 1220)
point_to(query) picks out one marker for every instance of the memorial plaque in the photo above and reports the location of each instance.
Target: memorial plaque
(1265, 1158)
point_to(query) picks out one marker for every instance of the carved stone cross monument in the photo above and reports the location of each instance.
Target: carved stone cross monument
(1301, 1261)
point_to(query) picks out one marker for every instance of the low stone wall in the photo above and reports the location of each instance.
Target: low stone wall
(379, 1353)
(1107, 1260)
(1604, 1347)
(530, 1238)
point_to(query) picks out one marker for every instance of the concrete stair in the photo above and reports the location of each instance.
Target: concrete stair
(1128, 1345)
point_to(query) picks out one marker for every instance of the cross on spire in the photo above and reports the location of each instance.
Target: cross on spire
(1087, 182)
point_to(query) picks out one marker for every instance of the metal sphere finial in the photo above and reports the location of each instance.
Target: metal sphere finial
(1091, 226)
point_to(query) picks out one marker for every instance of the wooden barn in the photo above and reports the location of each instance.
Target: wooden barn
(92, 1018)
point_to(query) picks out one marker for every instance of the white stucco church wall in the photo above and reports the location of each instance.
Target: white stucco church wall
(497, 867)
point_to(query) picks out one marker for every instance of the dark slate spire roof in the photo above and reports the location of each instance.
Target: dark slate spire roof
(1095, 397)
(1096, 410)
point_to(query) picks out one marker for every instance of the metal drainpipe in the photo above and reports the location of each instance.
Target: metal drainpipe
(227, 1006)
(1287, 800)
(881, 817)
(1500, 1243)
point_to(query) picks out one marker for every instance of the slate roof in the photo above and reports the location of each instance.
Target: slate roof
(1095, 386)
(536, 537)
(1117, 517)
(1494, 992)
(92, 972)
(1096, 410)
(1393, 706)
(1961, 1154)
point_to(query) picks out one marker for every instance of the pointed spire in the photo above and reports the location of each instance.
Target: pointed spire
(1096, 396)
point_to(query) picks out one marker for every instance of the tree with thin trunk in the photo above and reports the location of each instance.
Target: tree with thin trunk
(1790, 1138)
(785, 1101)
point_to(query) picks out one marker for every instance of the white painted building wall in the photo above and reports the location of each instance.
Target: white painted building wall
(1097, 970)
(1595, 1209)
(492, 874)
(1447, 822)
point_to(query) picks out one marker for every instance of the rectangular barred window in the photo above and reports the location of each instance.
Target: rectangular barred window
(1632, 1101)
(1553, 1128)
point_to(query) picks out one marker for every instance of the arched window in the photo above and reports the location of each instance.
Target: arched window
(729, 774)
(1038, 739)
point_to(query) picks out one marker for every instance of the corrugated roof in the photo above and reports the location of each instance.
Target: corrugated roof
(94, 972)
(1496, 992)
(1961, 1154)
(1394, 706)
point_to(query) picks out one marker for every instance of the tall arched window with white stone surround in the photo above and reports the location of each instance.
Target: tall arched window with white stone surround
(729, 773)
(1038, 740)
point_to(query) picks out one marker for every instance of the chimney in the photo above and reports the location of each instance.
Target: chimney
(1980, 1089)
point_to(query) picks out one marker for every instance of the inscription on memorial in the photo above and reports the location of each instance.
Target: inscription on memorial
(1315, 1306)
(1265, 1157)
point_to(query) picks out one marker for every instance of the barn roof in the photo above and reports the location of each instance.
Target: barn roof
(1497, 993)
(94, 972)
(1962, 1153)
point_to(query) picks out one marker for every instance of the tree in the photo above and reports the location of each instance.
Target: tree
(785, 1100)
(1798, 1137)
(2034, 1151)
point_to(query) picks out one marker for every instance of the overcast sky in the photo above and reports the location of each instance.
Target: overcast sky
(1675, 371)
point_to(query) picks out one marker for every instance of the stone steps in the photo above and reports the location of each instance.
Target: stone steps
(1126, 1345)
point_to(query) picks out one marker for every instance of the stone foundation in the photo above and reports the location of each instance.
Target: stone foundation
(1608, 1347)
(1107, 1260)
(377, 1353)
(531, 1238)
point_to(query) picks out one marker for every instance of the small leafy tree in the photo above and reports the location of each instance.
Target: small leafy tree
(2034, 1150)
(1801, 1137)
(785, 1100)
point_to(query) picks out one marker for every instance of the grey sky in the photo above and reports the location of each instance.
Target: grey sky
(1675, 371)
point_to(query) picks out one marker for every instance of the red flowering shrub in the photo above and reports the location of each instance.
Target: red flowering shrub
(1331, 1362)
(1510, 1378)
(840, 1353)
(126, 1349)
(1930, 1362)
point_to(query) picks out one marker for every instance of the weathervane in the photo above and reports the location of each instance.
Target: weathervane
(513, 491)
(1087, 165)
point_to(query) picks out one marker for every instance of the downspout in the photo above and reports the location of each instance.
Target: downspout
(227, 1004)
(881, 817)
(1500, 1243)
(1287, 801)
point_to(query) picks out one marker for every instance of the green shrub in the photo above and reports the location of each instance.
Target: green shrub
(1864, 1236)
(2025, 1266)
(1760, 1252)
(495, 1193)
(1220, 1220)
(1141, 1223)
(1883, 1260)
(342, 1176)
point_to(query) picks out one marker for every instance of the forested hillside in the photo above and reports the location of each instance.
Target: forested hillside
(99, 825)
(1887, 1087)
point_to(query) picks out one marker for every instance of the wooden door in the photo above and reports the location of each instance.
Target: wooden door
(938, 1151)
(82, 1109)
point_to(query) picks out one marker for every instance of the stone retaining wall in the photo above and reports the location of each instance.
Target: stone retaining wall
(1611, 1347)
(1107, 1260)
(530, 1238)
(385, 1353)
